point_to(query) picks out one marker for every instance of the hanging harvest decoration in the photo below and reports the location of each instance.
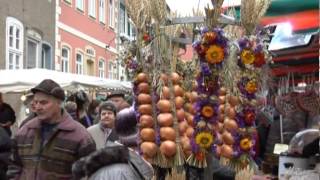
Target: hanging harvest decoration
(212, 50)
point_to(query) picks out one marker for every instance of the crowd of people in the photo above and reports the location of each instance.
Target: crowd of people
(77, 138)
(71, 138)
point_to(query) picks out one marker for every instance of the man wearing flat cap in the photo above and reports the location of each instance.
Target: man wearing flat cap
(50, 143)
(118, 100)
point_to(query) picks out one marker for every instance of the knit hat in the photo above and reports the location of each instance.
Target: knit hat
(126, 127)
(108, 105)
(49, 87)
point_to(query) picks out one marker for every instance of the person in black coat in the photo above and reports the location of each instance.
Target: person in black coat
(5, 151)
(7, 116)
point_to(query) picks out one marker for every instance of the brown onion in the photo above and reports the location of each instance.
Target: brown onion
(222, 99)
(148, 149)
(226, 151)
(189, 118)
(183, 126)
(167, 133)
(144, 98)
(218, 127)
(142, 77)
(148, 134)
(178, 91)
(146, 121)
(231, 112)
(164, 78)
(193, 97)
(190, 132)
(180, 114)
(222, 91)
(227, 138)
(185, 142)
(145, 109)
(230, 124)
(168, 148)
(179, 101)
(144, 88)
(221, 109)
(233, 100)
(164, 105)
(165, 119)
(165, 93)
(175, 78)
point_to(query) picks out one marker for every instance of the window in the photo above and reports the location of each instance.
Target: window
(122, 19)
(101, 68)
(80, 5)
(67, 1)
(110, 70)
(111, 12)
(92, 8)
(46, 60)
(79, 63)
(65, 57)
(102, 11)
(14, 43)
(115, 70)
(32, 54)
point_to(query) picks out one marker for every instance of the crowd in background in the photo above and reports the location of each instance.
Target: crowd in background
(71, 138)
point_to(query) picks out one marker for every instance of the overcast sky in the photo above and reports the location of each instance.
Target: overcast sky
(184, 7)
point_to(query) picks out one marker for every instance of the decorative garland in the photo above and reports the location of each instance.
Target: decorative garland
(251, 57)
(212, 50)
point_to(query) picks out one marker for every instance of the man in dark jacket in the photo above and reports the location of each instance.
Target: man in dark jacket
(7, 116)
(49, 143)
(5, 149)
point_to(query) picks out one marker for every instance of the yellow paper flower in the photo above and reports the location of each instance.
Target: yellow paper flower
(214, 54)
(247, 56)
(245, 144)
(204, 139)
(207, 111)
(251, 87)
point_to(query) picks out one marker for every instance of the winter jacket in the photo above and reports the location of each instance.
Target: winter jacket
(99, 136)
(115, 161)
(5, 149)
(52, 160)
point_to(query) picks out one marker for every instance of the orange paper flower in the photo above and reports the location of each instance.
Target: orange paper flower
(251, 87)
(215, 54)
(245, 144)
(207, 111)
(247, 56)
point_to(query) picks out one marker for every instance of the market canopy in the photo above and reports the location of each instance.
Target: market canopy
(24, 79)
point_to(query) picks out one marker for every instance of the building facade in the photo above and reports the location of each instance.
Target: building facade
(27, 33)
(86, 34)
(74, 36)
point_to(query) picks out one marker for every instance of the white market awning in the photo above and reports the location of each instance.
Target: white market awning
(24, 79)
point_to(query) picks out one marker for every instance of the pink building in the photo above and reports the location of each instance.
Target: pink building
(86, 34)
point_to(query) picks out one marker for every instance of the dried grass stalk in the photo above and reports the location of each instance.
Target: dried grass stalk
(213, 14)
(252, 12)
